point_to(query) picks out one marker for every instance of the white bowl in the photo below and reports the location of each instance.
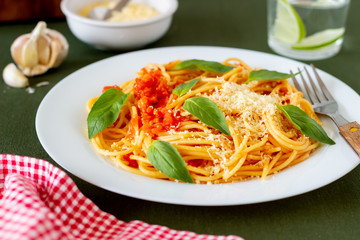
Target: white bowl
(119, 35)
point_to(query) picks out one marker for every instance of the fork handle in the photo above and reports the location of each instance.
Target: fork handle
(351, 133)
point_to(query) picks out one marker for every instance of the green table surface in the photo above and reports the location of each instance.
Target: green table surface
(331, 212)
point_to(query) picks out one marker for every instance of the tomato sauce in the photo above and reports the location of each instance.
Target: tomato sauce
(132, 163)
(108, 87)
(152, 93)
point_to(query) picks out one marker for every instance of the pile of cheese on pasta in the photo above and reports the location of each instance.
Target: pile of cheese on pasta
(261, 142)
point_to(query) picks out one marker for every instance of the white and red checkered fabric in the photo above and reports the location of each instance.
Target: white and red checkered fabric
(39, 201)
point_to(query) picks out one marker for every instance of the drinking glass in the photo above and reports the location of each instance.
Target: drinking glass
(306, 29)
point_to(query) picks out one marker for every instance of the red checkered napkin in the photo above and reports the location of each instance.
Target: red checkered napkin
(39, 201)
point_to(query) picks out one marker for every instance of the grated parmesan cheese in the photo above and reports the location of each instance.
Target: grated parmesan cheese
(133, 12)
(244, 108)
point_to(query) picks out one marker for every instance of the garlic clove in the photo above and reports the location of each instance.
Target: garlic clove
(14, 77)
(16, 48)
(29, 54)
(60, 46)
(44, 51)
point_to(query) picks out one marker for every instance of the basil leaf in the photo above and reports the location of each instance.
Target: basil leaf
(263, 74)
(207, 112)
(185, 87)
(165, 158)
(305, 124)
(208, 66)
(105, 111)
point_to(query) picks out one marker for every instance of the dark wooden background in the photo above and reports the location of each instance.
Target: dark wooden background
(17, 10)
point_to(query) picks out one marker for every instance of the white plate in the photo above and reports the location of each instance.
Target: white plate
(61, 128)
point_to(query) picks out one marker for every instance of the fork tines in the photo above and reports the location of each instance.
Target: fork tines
(316, 95)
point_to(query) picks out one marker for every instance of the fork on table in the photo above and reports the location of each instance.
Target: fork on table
(324, 104)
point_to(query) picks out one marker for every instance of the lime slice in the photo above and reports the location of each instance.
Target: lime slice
(288, 27)
(320, 39)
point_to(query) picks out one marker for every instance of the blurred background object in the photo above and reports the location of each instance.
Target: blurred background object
(11, 10)
(120, 34)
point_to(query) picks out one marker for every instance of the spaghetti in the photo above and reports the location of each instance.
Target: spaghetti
(262, 141)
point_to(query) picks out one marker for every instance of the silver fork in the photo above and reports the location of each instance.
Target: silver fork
(324, 104)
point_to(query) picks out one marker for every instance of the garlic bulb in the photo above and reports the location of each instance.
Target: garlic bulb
(14, 77)
(40, 50)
